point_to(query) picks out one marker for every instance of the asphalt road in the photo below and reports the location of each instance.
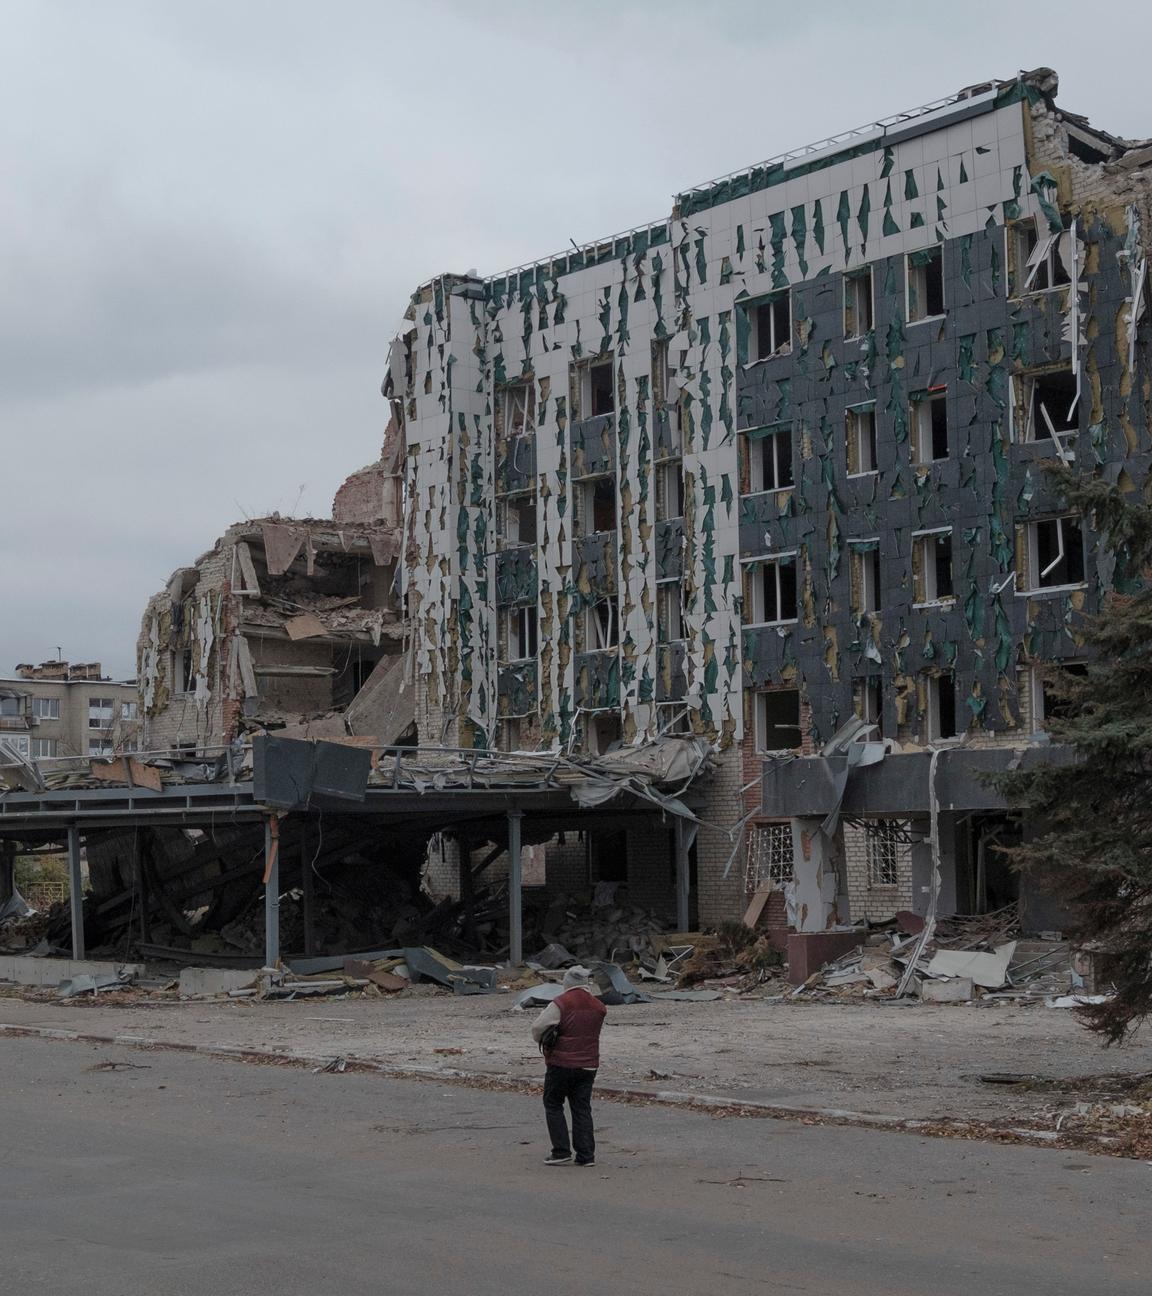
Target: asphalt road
(185, 1176)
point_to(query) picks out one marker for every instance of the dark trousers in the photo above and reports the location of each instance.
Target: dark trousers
(574, 1086)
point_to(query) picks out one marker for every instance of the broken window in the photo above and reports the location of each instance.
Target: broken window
(865, 575)
(773, 589)
(597, 498)
(1037, 264)
(47, 708)
(1046, 705)
(884, 848)
(942, 706)
(770, 466)
(669, 611)
(925, 284)
(593, 389)
(930, 426)
(858, 303)
(673, 717)
(522, 635)
(183, 677)
(604, 732)
(518, 408)
(100, 712)
(519, 519)
(1054, 554)
(601, 626)
(932, 566)
(868, 703)
(1050, 403)
(772, 326)
(669, 489)
(777, 720)
(860, 439)
(660, 373)
(770, 853)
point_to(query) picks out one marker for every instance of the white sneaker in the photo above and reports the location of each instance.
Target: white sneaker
(566, 1159)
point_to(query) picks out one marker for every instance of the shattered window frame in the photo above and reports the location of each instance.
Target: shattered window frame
(859, 307)
(927, 405)
(766, 700)
(1029, 409)
(511, 508)
(942, 711)
(1049, 273)
(517, 408)
(926, 567)
(669, 484)
(921, 286)
(860, 439)
(1039, 576)
(868, 701)
(866, 575)
(602, 626)
(679, 721)
(670, 611)
(523, 633)
(758, 572)
(769, 448)
(587, 488)
(771, 314)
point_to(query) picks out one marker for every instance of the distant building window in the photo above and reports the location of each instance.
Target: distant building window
(858, 304)
(930, 426)
(770, 466)
(884, 842)
(12, 704)
(932, 566)
(522, 633)
(99, 747)
(1053, 555)
(860, 439)
(100, 712)
(777, 720)
(925, 284)
(129, 745)
(18, 744)
(44, 708)
(770, 848)
(128, 710)
(43, 748)
(773, 589)
(772, 326)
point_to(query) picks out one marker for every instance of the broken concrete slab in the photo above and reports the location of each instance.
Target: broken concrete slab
(26, 970)
(954, 990)
(211, 981)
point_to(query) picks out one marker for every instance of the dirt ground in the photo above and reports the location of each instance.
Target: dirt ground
(916, 1061)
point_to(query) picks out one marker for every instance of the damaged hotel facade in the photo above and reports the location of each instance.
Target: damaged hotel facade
(773, 463)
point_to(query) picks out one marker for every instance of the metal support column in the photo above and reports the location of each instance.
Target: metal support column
(467, 889)
(75, 893)
(7, 870)
(308, 891)
(680, 830)
(271, 892)
(515, 893)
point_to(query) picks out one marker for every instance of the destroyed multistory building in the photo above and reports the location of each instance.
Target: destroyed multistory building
(773, 462)
(288, 625)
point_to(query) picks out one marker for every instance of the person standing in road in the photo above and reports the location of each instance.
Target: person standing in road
(572, 1059)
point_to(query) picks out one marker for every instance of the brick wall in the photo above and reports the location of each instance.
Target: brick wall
(874, 902)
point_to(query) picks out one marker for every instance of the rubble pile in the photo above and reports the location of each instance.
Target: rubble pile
(616, 932)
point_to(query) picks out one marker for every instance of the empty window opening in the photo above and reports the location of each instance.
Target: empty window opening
(184, 680)
(865, 574)
(858, 304)
(1055, 554)
(601, 626)
(1047, 702)
(598, 505)
(770, 464)
(770, 854)
(932, 566)
(868, 703)
(777, 722)
(602, 394)
(1052, 410)
(669, 612)
(772, 323)
(518, 401)
(519, 514)
(773, 582)
(942, 707)
(604, 732)
(925, 284)
(522, 633)
(660, 373)
(1038, 264)
(884, 847)
(860, 438)
(669, 489)
(930, 424)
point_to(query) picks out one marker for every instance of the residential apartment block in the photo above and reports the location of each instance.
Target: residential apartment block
(774, 462)
(60, 709)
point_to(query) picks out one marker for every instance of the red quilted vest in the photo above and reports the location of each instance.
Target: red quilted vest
(581, 1016)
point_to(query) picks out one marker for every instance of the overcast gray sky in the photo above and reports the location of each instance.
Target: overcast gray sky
(212, 213)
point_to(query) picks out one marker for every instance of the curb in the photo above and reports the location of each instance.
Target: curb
(750, 1107)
